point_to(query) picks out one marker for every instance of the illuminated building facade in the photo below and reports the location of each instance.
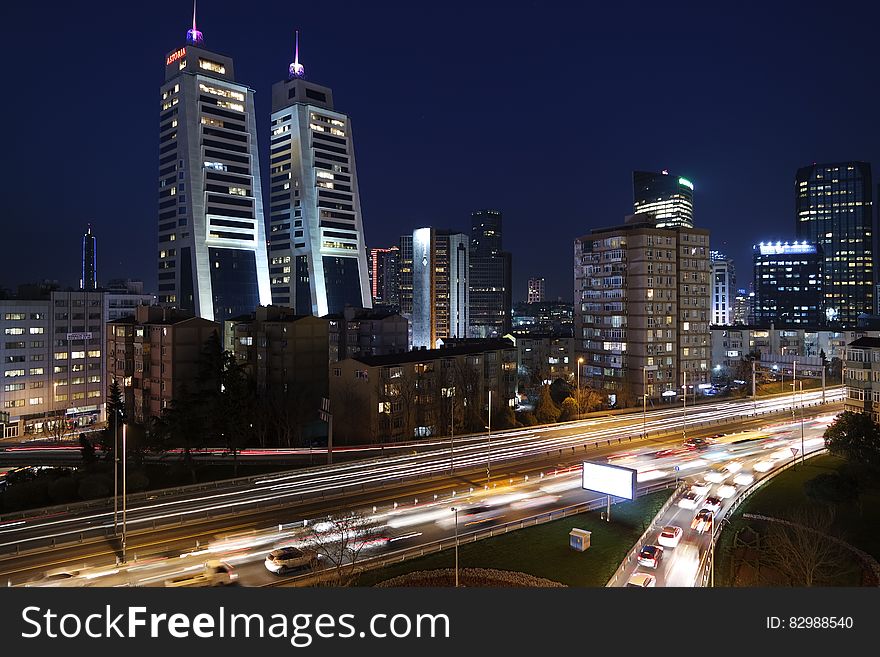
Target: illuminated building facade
(384, 285)
(318, 261)
(537, 290)
(440, 289)
(723, 285)
(834, 211)
(212, 241)
(489, 278)
(788, 284)
(89, 278)
(669, 198)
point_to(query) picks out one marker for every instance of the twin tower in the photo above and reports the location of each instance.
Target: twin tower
(214, 256)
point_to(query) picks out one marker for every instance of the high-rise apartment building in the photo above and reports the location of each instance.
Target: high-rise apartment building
(669, 198)
(833, 205)
(788, 284)
(742, 307)
(384, 280)
(89, 278)
(212, 239)
(490, 277)
(440, 287)
(723, 286)
(537, 290)
(642, 307)
(318, 260)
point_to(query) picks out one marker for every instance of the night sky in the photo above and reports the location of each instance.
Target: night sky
(540, 109)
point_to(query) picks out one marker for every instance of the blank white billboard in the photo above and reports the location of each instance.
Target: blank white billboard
(609, 480)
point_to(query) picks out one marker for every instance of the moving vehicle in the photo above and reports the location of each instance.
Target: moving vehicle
(726, 491)
(701, 487)
(744, 478)
(641, 580)
(650, 556)
(287, 559)
(670, 535)
(733, 466)
(690, 500)
(717, 474)
(713, 503)
(697, 443)
(214, 573)
(702, 521)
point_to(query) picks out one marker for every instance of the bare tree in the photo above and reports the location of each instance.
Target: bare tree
(339, 542)
(58, 428)
(407, 390)
(801, 550)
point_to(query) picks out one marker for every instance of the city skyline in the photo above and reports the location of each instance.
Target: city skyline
(724, 127)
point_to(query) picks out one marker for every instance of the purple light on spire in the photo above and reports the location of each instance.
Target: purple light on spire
(296, 70)
(193, 36)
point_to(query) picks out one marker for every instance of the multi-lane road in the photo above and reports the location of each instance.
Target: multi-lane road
(260, 513)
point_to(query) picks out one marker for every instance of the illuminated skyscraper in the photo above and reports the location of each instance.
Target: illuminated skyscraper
(89, 278)
(384, 285)
(318, 262)
(440, 290)
(723, 285)
(833, 203)
(490, 274)
(788, 284)
(669, 198)
(212, 239)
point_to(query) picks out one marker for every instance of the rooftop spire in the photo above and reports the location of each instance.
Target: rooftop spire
(193, 36)
(296, 69)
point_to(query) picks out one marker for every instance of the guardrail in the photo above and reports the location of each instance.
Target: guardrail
(399, 556)
(103, 533)
(704, 571)
(633, 553)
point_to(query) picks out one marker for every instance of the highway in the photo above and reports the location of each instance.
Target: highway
(290, 497)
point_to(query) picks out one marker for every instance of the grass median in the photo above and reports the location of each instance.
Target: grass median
(543, 550)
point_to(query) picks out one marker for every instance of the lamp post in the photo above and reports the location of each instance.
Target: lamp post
(452, 429)
(684, 406)
(455, 511)
(578, 395)
(802, 420)
(489, 443)
(645, 369)
(124, 504)
(115, 473)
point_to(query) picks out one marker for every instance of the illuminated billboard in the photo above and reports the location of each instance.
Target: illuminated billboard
(609, 480)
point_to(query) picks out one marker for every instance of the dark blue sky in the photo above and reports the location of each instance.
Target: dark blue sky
(540, 109)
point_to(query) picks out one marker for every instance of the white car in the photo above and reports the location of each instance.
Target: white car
(717, 475)
(287, 559)
(733, 466)
(712, 503)
(670, 535)
(690, 500)
(641, 580)
(701, 487)
(726, 491)
(745, 478)
(763, 466)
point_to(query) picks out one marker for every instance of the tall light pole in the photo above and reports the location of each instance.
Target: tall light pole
(124, 504)
(489, 443)
(802, 421)
(684, 406)
(712, 550)
(115, 473)
(793, 387)
(455, 511)
(645, 369)
(452, 429)
(578, 396)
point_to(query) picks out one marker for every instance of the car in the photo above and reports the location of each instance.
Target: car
(733, 466)
(703, 520)
(690, 500)
(717, 475)
(650, 556)
(287, 559)
(701, 487)
(745, 478)
(213, 573)
(697, 443)
(713, 503)
(641, 580)
(726, 491)
(59, 577)
(670, 535)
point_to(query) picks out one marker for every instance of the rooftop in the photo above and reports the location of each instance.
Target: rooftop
(420, 355)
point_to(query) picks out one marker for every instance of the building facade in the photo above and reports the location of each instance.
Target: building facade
(789, 284)
(89, 278)
(669, 198)
(384, 278)
(723, 286)
(155, 356)
(317, 254)
(440, 286)
(423, 392)
(212, 238)
(537, 290)
(742, 307)
(358, 332)
(834, 211)
(642, 310)
(489, 277)
(550, 317)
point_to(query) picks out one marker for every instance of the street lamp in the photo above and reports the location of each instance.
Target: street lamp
(124, 504)
(489, 443)
(455, 511)
(802, 420)
(645, 369)
(684, 406)
(451, 396)
(578, 396)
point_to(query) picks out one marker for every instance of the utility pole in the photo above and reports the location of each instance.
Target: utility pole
(802, 421)
(455, 511)
(793, 386)
(684, 407)
(489, 444)
(124, 490)
(754, 393)
(823, 382)
(452, 430)
(115, 473)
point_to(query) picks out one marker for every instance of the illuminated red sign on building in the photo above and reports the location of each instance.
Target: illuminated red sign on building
(173, 57)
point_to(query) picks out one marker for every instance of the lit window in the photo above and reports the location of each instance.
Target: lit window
(208, 65)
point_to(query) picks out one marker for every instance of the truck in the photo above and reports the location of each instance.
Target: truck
(213, 573)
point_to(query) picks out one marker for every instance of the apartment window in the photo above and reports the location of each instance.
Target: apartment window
(12, 373)
(36, 330)
(13, 403)
(208, 65)
(37, 371)
(94, 353)
(35, 401)
(93, 393)
(13, 330)
(14, 317)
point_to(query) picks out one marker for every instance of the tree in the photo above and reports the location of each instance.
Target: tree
(115, 415)
(86, 449)
(546, 412)
(855, 437)
(58, 428)
(569, 410)
(801, 550)
(560, 391)
(527, 418)
(506, 418)
(339, 541)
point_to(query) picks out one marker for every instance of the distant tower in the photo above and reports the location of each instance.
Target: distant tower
(89, 278)
(536, 290)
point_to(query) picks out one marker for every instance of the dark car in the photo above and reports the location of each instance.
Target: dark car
(650, 555)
